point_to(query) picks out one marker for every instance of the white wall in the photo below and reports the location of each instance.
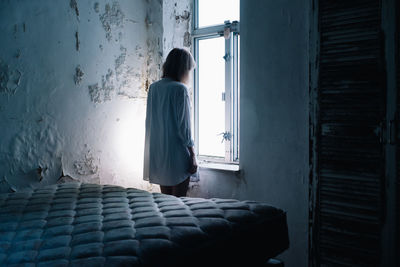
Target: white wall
(274, 118)
(177, 24)
(91, 127)
(94, 130)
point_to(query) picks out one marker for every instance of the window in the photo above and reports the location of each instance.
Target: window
(216, 80)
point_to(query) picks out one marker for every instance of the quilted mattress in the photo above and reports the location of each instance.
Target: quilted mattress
(78, 224)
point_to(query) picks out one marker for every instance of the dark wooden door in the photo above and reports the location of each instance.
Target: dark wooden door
(348, 134)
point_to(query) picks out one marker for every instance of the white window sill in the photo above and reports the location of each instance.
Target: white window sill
(231, 167)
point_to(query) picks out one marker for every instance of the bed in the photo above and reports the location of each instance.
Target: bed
(79, 224)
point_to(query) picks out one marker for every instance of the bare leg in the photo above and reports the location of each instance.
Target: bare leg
(181, 189)
(166, 189)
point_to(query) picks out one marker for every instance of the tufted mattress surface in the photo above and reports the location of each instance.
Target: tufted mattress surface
(78, 224)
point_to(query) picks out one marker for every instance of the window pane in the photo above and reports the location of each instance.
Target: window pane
(212, 12)
(211, 67)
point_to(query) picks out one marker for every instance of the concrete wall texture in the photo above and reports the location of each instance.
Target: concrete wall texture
(274, 112)
(274, 118)
(73, 80)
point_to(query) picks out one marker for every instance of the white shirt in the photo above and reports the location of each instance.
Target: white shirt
(168, 134)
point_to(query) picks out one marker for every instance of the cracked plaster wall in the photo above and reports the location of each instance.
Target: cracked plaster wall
(177, 24)
(73, 82)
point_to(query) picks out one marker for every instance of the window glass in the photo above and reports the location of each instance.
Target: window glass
(213, 12)
(211, 67)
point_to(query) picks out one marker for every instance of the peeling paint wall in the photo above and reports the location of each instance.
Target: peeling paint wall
(73, 81)
(74, 76)
(177, 23)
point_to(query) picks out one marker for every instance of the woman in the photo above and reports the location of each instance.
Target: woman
(169, 158)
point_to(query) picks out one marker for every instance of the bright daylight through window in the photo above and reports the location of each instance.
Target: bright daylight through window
(216, 83)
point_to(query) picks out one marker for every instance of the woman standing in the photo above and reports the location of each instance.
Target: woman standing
(169, 157)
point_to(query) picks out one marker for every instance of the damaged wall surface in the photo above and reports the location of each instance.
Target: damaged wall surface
(73, 86)
(73, 81)
(177, 24)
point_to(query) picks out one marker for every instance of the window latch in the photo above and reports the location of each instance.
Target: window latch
(226, 136)
(227, 57)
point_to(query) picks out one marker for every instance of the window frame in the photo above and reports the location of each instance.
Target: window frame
(232, 86)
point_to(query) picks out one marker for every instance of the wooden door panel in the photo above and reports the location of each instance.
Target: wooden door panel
(350, 131)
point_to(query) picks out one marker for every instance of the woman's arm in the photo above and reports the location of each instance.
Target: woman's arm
(193, 165)
(184, 126)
